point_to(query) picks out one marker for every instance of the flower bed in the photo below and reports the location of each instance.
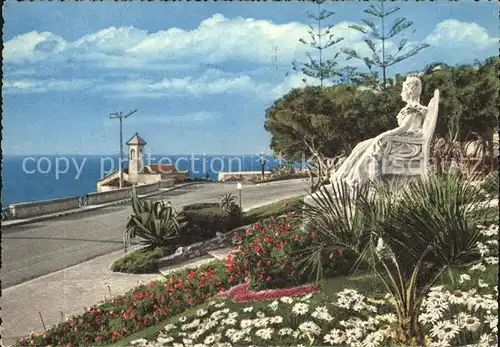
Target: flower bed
(241, 293)
(460, 314)
(144, 306)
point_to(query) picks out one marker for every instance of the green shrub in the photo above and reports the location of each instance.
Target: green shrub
(139, 261)
(200, 205)
(265, 254)
(203, 224)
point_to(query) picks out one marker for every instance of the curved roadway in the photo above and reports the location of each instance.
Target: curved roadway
(33, 250)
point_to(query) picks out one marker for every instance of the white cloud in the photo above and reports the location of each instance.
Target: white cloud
(217, 39)
(454, 33)
(204, 85)
(183, 119)
(40, 86)
(33, 46)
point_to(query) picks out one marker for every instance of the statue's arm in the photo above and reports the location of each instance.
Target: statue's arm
(401, 130)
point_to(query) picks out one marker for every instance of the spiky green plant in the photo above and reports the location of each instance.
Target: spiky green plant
(337, 222)
(228, 203)
(156, 224)
(427, 228)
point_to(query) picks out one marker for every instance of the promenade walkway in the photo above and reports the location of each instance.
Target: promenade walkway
(69, 287)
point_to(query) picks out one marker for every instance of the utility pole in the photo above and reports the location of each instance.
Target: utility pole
(120, 116)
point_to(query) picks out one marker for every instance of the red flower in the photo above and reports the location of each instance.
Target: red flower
(98, 338)
(269, 278)
(257, 226)
(285, 204)
(152, 284)
(313, 234)
(340, 252)
(192, 275)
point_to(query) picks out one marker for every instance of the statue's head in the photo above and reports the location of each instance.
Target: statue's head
(412, 88)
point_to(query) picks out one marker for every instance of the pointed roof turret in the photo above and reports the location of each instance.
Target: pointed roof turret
(136, 140)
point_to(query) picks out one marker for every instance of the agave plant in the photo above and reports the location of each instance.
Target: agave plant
(156, 224)
(427, 228)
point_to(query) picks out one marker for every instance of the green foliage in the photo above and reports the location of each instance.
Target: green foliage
(139, 261)
(200, 205)
(335, 119)
(280, 208)
(380, 58)
(203, 223)
(321, 39)
(336, 223)
(328, 120)
(491, 184)
(265, 255)
(425, 229)
(230, 205)
(156, 224)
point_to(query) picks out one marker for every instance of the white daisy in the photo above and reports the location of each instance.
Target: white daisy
(445, 330)
(463, 278)
(201, 312)
(285, 331)
(471, 323)
(322, 314)
(491, 260)
(310, 327)
(274, 305)
(275, 320)
(265, 334)
(248, 309)
(246, 323)
(478, 267)
(286, 299)
(300, 308)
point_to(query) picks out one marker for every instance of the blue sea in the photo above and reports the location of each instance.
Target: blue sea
(35, 178)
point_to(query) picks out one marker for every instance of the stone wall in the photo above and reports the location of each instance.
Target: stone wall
(144, 189)
(38, 208)
(166, 183)
(242, 175)
(201, 248)
(112, 195)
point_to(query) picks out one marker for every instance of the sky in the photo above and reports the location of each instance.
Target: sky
(200, 74)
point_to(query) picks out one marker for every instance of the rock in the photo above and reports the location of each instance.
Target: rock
(179, 251)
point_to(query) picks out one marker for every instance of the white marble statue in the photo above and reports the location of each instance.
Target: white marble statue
(400, 151)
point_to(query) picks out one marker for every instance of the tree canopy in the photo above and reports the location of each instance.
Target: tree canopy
(332, 120)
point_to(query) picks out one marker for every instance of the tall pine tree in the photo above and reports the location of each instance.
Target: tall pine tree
(380, 58)
(321, 39)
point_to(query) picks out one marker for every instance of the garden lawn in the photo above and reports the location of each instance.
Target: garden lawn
(364, 283)
(281, 207)
(347, 305)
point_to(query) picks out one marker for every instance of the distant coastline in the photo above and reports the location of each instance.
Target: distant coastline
(42, 178)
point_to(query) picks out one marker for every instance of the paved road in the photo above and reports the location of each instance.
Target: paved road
(33, 250)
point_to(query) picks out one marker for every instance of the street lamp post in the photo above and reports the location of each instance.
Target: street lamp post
(263, 163)
(120, 116)
(239, 187)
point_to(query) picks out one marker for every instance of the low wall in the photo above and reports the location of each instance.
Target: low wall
(166, 183)
(201, 248)
(38, 208)
(242, 175)
(177, 176)
(144, 189)
(111, 195)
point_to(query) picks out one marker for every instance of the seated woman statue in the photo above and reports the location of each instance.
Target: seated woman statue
(364, 163)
